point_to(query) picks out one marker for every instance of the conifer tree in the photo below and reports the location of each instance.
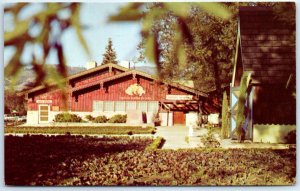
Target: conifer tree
(110, 55)
(225, 117)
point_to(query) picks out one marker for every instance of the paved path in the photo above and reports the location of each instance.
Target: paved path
(176, 137)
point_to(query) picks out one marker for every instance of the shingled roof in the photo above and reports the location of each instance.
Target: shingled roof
(266, 46)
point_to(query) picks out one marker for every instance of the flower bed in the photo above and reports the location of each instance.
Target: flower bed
(106, 130)
(67, 160)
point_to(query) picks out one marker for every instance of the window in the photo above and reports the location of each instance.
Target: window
(120, 105)
(152, 106)
(97, 105)
(142, 105)
(130, 105)
(109, 106)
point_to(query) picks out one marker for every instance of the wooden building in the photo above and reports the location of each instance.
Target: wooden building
(112, 89)
(266, 50)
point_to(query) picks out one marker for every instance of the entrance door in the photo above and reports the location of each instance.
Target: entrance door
(178, 118)
(44, 113)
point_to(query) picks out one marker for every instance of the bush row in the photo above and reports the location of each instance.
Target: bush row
(82, 130)
(68, 117)
(156, 144)
(103, 119)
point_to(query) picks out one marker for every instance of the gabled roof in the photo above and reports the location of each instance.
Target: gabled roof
(98, 68)
(143, 74)
(126, 72)
(80, 74)
(266, 47)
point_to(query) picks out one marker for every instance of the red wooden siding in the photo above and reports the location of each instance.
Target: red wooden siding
(55, 96)
(114, 90)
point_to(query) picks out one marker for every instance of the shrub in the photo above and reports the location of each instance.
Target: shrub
(118, 119)
(225, 117)
(241, 108)
(291, 137)
(209, 140)
(90, 118)
(156, 119)
(67, 117)
(156, 144)
(100, 119)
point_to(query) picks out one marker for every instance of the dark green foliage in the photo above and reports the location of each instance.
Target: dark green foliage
(225, 117)
(118, 119)
(14, 102)
(100, 119)
(156, 144)
(70, 160)
(241, 108)
(67, 117)
(26, 158)
(110, 55)
(291, 137)
(81, 130)
(90, 117)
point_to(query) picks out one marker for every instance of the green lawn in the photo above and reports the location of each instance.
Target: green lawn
(106, 130)
(84, 160)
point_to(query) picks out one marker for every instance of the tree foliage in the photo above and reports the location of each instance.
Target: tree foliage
(48, 20)
(14, 102)
(166, 32)
(192, 41)
(110, 55)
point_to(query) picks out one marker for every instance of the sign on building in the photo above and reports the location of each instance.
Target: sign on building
(179, 97)
(43, 101)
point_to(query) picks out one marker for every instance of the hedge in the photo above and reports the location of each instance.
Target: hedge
(82, 130)
(156, 144)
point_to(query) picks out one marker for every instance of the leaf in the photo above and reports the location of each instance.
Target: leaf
(75, 21)
(14, 65)
(15, 9)
(19, 33)
(61, 68)
(215, 9)
(185, 31)
(129, 12)
(149, 19)
(149, 48)
(179, 9)
(182, 58)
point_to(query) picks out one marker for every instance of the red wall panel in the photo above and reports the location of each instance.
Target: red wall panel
(154, 91)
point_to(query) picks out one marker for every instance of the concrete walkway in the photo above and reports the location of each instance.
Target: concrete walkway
(178, 137)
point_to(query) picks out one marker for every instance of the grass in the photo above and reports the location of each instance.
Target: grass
(106, 130)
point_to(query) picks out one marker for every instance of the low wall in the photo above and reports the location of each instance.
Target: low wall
(57, 124)
(33, 117)
(271, 133)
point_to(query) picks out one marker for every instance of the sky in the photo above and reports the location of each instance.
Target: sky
(125, 36)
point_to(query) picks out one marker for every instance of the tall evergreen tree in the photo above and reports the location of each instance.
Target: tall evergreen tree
(225, 117)
(110, 55)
